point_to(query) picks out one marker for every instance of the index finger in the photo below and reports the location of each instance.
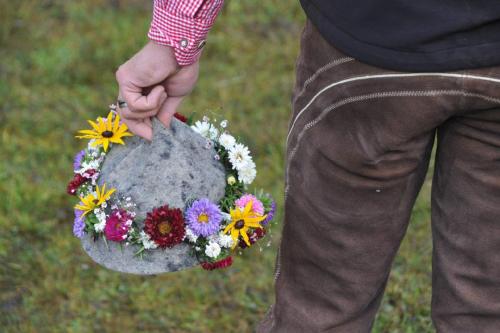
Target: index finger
(137, 102)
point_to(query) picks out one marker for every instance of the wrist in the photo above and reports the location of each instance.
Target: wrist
(165, 53)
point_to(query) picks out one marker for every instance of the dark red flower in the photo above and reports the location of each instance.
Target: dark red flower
(165, 226)
(75, 183)
(254, 236)
(223, 263)
(78, 180)
(180, 117)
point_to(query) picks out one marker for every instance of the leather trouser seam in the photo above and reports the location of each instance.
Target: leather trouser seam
(365, 97)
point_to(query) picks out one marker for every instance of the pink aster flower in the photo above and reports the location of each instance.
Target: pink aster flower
(257, 206)
(117, 225)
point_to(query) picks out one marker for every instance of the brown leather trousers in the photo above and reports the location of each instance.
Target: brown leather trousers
(358, 149)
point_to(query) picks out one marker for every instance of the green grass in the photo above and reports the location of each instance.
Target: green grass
(57, 63)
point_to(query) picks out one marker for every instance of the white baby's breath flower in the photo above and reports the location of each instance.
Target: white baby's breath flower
(99, 227)
(146, 241)
(191, 236)
(223, 123)
(239, 155)
(227, 141)
(247, 173)
(212, 250)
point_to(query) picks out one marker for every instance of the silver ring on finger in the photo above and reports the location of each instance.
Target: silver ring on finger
(121, 103)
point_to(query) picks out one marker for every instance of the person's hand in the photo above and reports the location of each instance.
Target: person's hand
(152, 83)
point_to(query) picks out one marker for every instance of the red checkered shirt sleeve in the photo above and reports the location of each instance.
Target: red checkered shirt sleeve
(183, 25)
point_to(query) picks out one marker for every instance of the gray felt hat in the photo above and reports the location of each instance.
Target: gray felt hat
(174, 168)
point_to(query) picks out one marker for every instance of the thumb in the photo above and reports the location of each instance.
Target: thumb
(168, 109)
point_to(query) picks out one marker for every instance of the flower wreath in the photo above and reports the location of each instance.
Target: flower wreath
(214, 230)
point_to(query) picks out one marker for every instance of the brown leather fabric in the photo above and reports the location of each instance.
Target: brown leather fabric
(357, 153)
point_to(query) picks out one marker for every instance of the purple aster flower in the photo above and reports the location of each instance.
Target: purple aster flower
(79, 224)
(270, 215)
(77, 162)
(203, 218)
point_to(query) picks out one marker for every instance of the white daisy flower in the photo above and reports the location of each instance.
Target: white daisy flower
(227, 141)
(206, 129)
(225, 240)
(247, 173)
(239, 155)
(212, 250)
(202, 127)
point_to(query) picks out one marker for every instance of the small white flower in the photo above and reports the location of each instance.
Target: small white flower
(213, 133)
(212, 250)
(239, 155)
(202, 127)
(104, 204)
(90, 146)
(191, 236)
(225, 240)
(225, 217)
(227, 141)
(223, 123)
(247, 173)
(206, 129)
(231, 180)
(206, 119)
(146, 241)
(99, 227)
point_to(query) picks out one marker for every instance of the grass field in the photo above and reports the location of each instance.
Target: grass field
(57, 63)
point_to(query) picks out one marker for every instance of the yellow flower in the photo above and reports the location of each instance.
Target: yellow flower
(241, 220)
(105, 131)
(92, 201)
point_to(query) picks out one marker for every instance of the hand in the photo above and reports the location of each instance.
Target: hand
(152, 83)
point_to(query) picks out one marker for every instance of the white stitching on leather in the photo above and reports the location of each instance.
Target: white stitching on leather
(384, 76)
(323, 69)
(354, 99)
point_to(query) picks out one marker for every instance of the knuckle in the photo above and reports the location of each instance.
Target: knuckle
(119, 73)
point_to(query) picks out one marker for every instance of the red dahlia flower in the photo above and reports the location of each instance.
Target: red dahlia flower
(78, 180)
(165, 226)
(223, 263)
(180, 117)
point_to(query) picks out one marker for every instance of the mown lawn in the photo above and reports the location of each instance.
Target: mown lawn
(57, 63)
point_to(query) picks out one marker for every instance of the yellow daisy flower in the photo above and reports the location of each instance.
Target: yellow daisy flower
(105, 131)
(92, 201)
(241, 220)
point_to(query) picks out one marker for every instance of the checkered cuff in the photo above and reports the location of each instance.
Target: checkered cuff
(183, 25)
